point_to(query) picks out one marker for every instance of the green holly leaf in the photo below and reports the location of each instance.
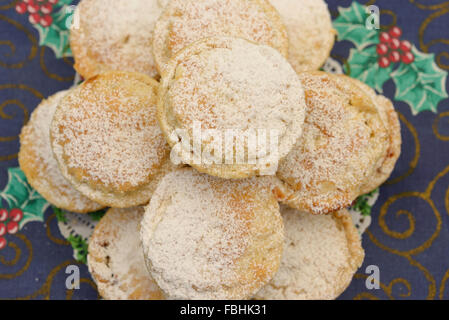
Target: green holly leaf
(363, 65)
(351, 26)
(79, 245)
(60, 214)
(96, 216)
(63, 3)
(421, 84)
(19, 194)
(56, 36)
(362, 203)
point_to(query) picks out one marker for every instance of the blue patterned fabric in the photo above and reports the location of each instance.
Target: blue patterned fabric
(408, 238)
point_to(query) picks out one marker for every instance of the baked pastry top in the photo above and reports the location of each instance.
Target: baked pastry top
(390, 118)
(229, 86)
(39, 165)
(210, 238)
(321, 255)
(106, 139)
(186, 21)
(310, 32)
(114, 35)
(343, 140)
(115, 258)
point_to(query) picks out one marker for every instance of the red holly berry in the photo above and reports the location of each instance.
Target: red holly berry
(33, 8)
(12, 227)
(21, 8)
(16, 215)
(384, 62)
(382, 49)
(2, 229)
(46, 20)
(34, 18)
(3, 215)
(46, 8)
(53, 1)
(405, 46)
(384, 37)
(394, 44)
(408, 58)
(395, 32)
(2, 243)
(394, 56)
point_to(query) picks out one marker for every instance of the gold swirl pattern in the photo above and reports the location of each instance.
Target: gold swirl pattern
(18, 255)
(69, 293)
(443, 9)
(34, 44)
(429, 7)
(51, 75)
(443, 285)
(410, 254)
(390, 13)
(23, 109)
(17, 258)
(435, 126)
(45, 290)
(387, 289)
(3, 115)
(9, 5)
(414, 162)
(58, 241)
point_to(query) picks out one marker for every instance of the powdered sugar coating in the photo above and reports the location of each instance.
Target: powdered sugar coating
(310, 32)
(114, 35)
(186, 21)
(39, 165)
(343, 140)
(321, 255)
(229, 83)
(208, 238)
(389, 116)
(107, 141)
(116, 260)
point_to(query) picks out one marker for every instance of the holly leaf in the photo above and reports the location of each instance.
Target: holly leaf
(79, 246)
(19, 194)
(60, 214)
(351, 26)
(97, 215)
(421, 84)
(56, 36)
(364, 66)
(63, 3)
(363, 204)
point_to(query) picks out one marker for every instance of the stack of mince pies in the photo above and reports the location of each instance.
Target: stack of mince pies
(225, 158)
